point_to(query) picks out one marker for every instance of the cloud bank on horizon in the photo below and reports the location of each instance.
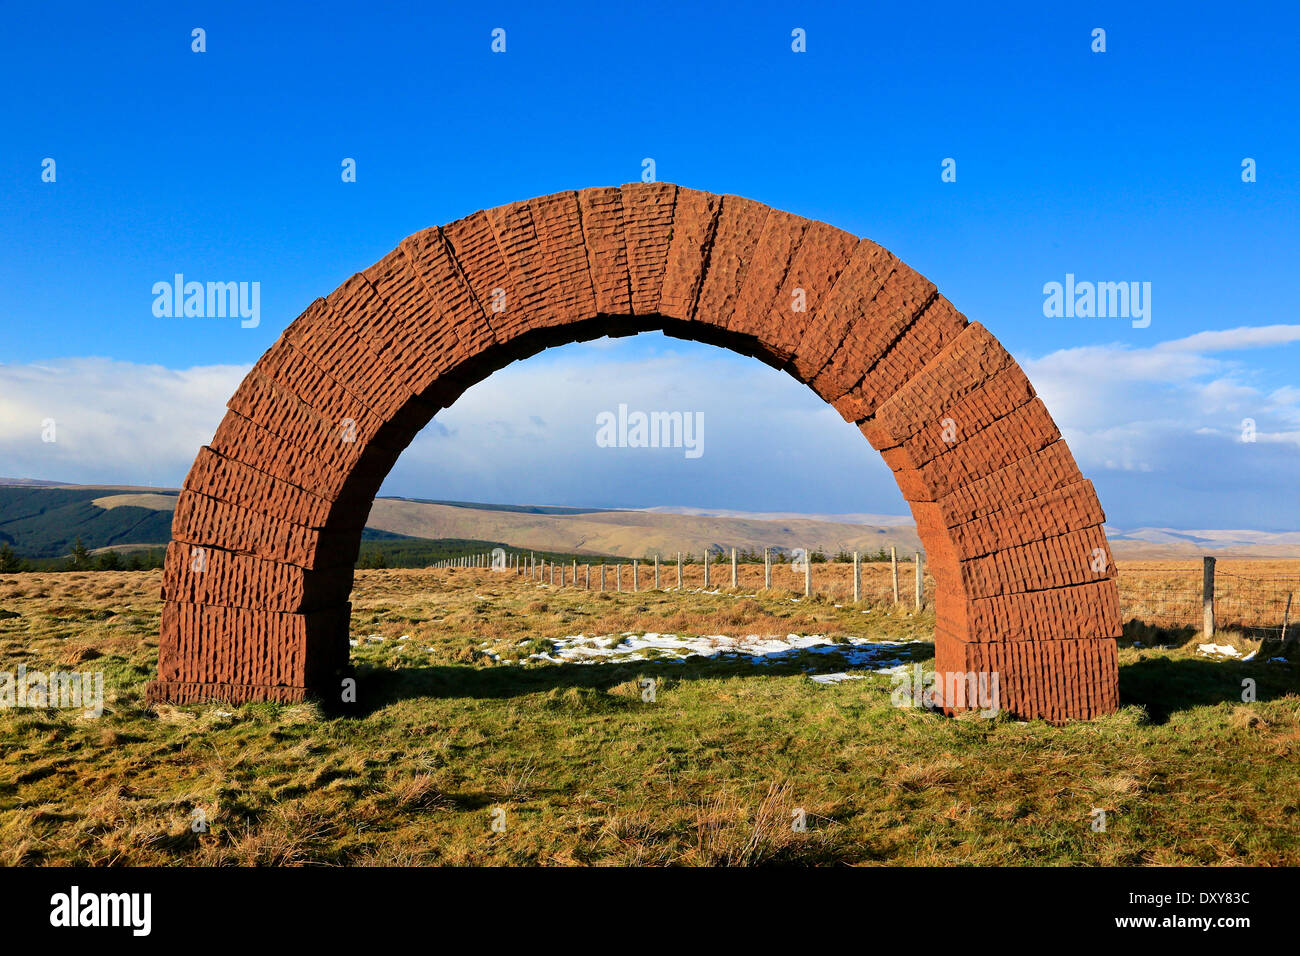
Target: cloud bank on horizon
(1173, 434)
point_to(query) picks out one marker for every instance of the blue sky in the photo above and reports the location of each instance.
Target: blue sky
(225, 165)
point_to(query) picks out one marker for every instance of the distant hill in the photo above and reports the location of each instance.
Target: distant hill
(1167, 543)
(632, 534)
(41, 521)
(517, 509)
(30, 482)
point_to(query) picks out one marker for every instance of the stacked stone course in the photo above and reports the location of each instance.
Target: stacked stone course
(268, 525)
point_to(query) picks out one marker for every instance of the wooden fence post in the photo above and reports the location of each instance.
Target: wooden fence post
(618, 577)
(635, 574)
(920, 587)
(679, 570)
(602, 575)
(733, 567)
(1207, 598)
(1286, 621)
(656, 572)
(586, 574)
(893, 564)
(857, 578)
(807, 573)
(706, 569)
(767, 568)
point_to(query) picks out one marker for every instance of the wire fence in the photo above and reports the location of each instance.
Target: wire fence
(878, 582)
(1161, 597)
(1259, 599)
(1258, 606)
(1256, 599)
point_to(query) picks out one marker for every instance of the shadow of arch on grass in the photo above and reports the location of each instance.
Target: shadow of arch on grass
(1169, 685)
(1163, 685)
(379, 687)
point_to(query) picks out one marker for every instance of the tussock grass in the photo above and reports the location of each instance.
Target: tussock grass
(586, 772)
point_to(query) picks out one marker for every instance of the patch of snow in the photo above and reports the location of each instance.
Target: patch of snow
(837, 678)
(857, 652)
(1219, 650)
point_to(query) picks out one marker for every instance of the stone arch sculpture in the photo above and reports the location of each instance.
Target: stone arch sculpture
(267, 527)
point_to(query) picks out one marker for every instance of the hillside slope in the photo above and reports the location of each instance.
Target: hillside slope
(632, 534)
(43, 521)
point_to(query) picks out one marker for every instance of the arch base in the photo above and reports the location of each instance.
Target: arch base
(1056, 681)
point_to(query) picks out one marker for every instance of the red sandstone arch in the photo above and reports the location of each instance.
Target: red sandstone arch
(278, 500)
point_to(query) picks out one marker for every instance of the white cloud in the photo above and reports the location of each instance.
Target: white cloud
(528, 434)
(1245, 337)
(1158, 429)
(114, 422)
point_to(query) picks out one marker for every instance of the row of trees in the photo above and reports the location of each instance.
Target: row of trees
(80, 559)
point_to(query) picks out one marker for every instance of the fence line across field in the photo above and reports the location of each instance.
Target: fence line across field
(866, 577)
(1261, 605)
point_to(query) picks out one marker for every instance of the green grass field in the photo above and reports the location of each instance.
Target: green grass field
(458, 727)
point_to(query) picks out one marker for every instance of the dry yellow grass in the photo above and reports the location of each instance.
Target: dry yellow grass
(585, 771)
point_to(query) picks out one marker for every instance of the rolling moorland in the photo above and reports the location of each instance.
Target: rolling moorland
(488, 698)
(485, 697)
(41, 523)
